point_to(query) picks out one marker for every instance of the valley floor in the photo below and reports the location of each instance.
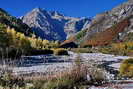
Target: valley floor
(50, 64)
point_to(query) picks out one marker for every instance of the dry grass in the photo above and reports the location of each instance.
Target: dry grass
(76, 76)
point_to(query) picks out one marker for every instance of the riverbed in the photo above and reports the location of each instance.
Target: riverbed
(51, 64)
(47, 64)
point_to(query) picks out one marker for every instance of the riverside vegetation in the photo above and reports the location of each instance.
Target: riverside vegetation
(76, 77)
(123, 48)
(16, 44)
(126, 68)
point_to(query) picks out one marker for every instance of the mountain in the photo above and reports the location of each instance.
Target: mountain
(52, 25)
(115, 25)
(14, 22)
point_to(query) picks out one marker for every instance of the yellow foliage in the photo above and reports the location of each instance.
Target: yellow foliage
(122, 48)
(126, 68)
(60, 51)
(17, 40)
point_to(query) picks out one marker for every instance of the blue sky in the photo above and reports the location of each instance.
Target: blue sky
(75, 8)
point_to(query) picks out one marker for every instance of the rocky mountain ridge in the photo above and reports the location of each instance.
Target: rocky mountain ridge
(118, 21)
(52, 25)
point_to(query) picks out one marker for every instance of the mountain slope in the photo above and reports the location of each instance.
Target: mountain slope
(13, 22)
(108, 36)
(52, 25)
(110, 26)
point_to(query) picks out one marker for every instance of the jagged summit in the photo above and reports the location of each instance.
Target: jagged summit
(52, 25)
(56, 13)
(37, 9)
(40, 10)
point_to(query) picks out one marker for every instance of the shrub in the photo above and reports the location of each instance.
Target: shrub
(61, 83)
(105, 50)
(82, 50)
(38, 84)
(124, 48)
(81, 34)
(60, 51)
(126, 68)
(67, 80)
(7, 80)
(98, 76)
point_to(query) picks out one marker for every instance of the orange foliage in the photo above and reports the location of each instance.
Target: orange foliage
(107, 36)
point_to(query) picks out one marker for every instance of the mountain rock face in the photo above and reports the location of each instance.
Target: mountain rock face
(107, 27)
(52, 25)
(106, 20)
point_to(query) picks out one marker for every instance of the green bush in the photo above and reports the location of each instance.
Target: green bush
(81, 34)
(60, 51)
(126, 68)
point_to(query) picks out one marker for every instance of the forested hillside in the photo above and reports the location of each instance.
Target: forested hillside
(16, 38)
(14, 22)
